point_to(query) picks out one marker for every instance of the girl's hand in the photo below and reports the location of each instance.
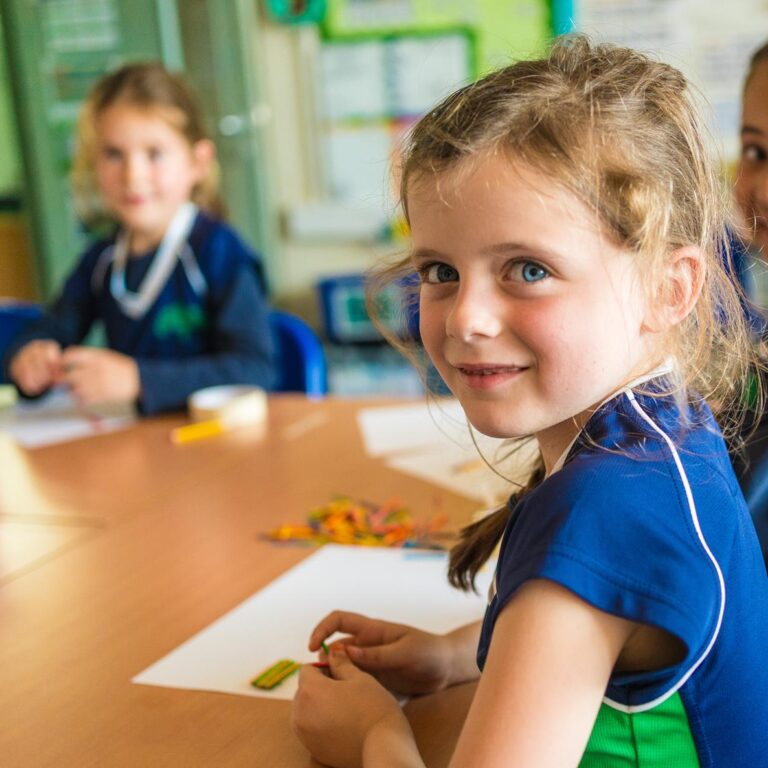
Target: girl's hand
(100, 375)
(402, 658)
(349, 720)
(37, 366)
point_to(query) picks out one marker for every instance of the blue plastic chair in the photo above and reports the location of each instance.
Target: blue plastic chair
(14, 316)
(300, 359)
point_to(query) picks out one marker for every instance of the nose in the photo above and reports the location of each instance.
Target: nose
(133, 170)
(476, 312)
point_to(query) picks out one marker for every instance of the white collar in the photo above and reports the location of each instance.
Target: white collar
(136, 304)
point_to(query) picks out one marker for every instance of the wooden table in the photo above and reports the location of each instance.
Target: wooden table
(148, 544)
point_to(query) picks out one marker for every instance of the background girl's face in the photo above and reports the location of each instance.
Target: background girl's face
(751, 187)
(145, 169)
(530, 315)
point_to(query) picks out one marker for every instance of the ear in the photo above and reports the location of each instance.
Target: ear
(203, 155)
(679, 290)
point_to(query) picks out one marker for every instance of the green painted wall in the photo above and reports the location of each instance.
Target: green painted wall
(10, 167)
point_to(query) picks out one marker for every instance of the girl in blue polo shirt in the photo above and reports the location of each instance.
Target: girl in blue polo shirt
(567, 225)
(180, 296)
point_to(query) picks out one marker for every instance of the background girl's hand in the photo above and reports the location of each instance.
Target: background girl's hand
(335, 716)
(402, 658)
(37, 366)
(100, 375)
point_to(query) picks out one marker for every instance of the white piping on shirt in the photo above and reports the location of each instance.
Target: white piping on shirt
(666, 367)
(695, 518)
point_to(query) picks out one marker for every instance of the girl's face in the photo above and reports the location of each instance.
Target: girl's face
(752, 181)
(145, 169)
(530, 315)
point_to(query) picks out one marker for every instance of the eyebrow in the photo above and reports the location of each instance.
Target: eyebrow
(428, 254)
(502, 248)
(752, 129)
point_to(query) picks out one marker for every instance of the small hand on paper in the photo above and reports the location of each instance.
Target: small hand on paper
(37, 366)
(351, 719)
(100, 375)
(400, 657)
(93, 375)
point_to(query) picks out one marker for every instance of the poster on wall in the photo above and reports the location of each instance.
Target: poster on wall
(708, 40)
(372, 90)
(385, 63)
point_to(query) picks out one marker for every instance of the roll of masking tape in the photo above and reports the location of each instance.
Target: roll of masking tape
(233, 405)
(218, 409)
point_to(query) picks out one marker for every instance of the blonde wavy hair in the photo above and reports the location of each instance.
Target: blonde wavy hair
(146, 86)
(623, 134)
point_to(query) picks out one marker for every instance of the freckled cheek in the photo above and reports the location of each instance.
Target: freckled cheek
(547, 334)
(564, 349)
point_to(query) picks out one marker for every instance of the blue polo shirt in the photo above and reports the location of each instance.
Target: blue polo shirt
(645, 520)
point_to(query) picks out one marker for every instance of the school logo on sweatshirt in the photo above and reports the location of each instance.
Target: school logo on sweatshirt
(180, 320)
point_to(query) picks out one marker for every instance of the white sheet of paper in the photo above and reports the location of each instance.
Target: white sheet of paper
(353, 75)
(407, 586)
(462, 470)
(432, 441)
(426, 69)
(56, 418)
(358, 166)
(393, 429)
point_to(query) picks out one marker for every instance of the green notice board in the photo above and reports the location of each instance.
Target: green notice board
(10, 170)
(55, 50)
(505, 29)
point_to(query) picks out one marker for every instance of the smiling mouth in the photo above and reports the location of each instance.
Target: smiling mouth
(488, 377)
(488, 370)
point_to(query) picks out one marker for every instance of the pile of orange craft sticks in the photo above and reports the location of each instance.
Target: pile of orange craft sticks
(346, 521)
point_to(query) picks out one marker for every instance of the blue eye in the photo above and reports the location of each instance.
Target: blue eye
(531, 272)
(752, 153)
(439, 273)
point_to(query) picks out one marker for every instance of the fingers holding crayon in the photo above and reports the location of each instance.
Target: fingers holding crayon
(402, 658)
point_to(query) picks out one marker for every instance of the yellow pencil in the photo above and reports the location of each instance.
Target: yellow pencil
(198, 431)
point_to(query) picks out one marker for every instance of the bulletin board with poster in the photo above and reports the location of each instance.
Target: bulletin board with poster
(384, 63)
(373, 88)
(710, 41)
(503, 30)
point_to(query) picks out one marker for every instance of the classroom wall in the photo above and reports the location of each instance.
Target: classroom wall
(711, 41)
(291, 59)
(300, 265)
(708, 39)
